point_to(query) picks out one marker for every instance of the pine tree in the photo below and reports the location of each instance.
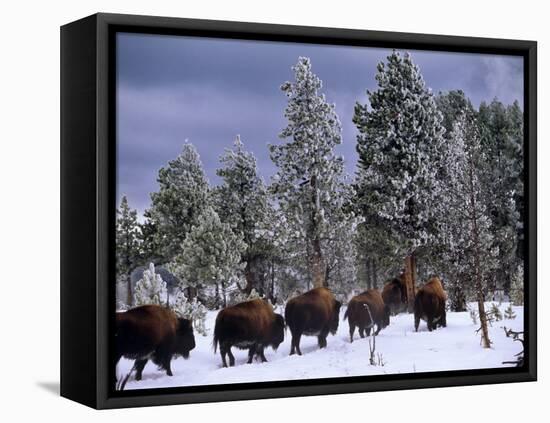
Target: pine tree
(452, 104)
(516, 291)
(502, 141)
(308, 170)
(182, 196)
(339, 242)
(447, 251)
(127, 246)
(192, 310)
(399, 146)
(210, 256)
(509, 313)
(470, 237)
(150, 289)
(495, 313)
(242, 202)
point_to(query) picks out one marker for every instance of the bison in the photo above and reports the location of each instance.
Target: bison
(429, 305)
(364, 311)
(152, 332)
(394, 295)
(249, 325)
(314, 313)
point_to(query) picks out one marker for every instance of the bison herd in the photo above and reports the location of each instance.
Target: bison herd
(156, 333)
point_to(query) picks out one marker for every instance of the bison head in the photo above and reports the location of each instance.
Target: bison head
(335, 318)
(277, 331)
(185, 339)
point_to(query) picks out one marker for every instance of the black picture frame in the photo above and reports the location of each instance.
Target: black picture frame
(88, 208)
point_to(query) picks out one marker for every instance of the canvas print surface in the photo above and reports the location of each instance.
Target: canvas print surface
(299, 211)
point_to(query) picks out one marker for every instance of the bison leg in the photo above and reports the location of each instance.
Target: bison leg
(167, 361)
(444, 319)
(223, 352)
(251, 352)
(322, 338)
(362, 332)
(140, 365)
(260, 351)
(416, 322)
(351, 332)
(367, 331)
(231, 357)
(295, 344)
(431, 325)
(378, 329)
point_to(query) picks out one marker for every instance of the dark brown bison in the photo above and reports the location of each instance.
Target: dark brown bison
(364, 311)
(314, 313)
(152, 332)
(394, 295)
(429, 305)
(250, 325)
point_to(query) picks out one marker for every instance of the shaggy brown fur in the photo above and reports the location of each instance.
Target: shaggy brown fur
(364, 318)
(250, 325)
(152, 332)
(429, 305)
(314, 313)
(394, 295)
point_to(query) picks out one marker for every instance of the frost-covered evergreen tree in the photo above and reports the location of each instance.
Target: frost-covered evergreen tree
(339, 242)
(516, 290)
(447, 250)
(469, 234)
(452, 104)
(242, 202)
(210, 256)
(192, 310)
(150, 289)
(509, 313)
(127, 246)
(308, 171)
(399, 146)
(502, 140)
(182, 196)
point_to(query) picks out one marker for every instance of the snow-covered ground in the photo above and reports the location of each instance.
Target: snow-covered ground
(456, 347)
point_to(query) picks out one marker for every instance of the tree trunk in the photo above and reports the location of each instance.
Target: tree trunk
(367, 272)
(409, 277)
(272, 285)
(373, 274)
(317, 265)
(485, 341)
(130, 299)
(224, 298)
(251, 275)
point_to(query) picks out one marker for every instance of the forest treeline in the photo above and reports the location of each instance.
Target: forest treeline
(438, 190)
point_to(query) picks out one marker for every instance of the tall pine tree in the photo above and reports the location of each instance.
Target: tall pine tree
(399, 146)
(183, 193)
(127, 245)
(308, 171)
(241, 201)
(470, 236)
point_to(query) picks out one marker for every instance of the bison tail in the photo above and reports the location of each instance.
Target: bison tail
(215, 343)
(418, 301)
(288, 313)
(216, 336)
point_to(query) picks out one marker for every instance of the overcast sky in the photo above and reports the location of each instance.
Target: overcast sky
(173, 88)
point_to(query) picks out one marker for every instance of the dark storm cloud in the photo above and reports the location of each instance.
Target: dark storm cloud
(207, 91)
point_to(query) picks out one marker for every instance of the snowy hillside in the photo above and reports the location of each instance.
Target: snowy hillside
(455, 347)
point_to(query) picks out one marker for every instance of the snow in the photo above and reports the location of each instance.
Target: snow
(456, 347)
